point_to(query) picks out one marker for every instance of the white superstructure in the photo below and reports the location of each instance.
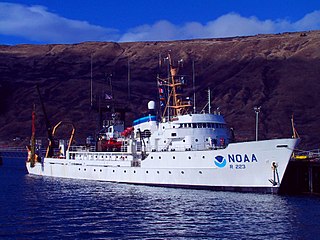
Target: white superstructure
(179, 149)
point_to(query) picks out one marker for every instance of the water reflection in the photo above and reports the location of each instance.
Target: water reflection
(64, 208)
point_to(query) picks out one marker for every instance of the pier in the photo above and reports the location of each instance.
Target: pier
(303, 173)
(12, 152)
(13, 158)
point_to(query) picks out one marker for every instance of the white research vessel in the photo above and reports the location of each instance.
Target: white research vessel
(182, 149)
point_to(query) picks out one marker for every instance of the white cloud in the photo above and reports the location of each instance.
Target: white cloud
(228, 25)
(234, 25)
(310, 21)
(162, 30)
(38, 24)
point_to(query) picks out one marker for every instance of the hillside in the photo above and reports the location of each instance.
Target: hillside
(278, 72)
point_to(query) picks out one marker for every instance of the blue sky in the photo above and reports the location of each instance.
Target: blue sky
(74, 21)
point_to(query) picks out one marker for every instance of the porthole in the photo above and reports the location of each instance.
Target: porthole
(158, 172)
(159, 157)
(169, 172)
(100, 170)
(183, 140)
(134, 171)
(94, 170)
(189, 157)
(113, 170)
(147, 171)
(85, 169)
(151, 157)
(200, 172)
(125, 171)
(174, 157)
(182, 172)
(196, 140)
(79, 169)
(203, 157)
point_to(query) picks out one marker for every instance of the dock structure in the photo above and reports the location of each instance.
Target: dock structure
(13, 152)
(303, 173)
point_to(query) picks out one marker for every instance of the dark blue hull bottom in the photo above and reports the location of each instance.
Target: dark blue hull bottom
(268, 190)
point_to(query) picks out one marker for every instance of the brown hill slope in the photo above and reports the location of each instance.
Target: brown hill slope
(279, 72)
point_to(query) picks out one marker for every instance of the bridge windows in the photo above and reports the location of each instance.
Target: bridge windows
(202, 125)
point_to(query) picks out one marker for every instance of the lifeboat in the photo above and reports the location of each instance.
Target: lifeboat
(112, 145)
(127, 131)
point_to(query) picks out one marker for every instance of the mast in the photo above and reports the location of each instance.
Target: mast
(129, 79)
(91, 87)
(168, 88)
(193, 87)
(209, 100)
(51, 144)
(172, 84)
(175, 105)
(179, 106)
(33, 138)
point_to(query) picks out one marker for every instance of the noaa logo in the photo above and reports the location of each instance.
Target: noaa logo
(220, 161)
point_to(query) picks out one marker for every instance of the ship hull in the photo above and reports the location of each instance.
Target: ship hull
(247, 167)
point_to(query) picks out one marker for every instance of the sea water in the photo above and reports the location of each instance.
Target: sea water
(33, 207)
